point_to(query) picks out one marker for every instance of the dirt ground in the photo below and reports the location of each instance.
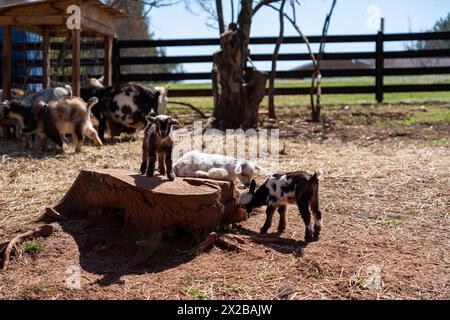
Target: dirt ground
(385, 199)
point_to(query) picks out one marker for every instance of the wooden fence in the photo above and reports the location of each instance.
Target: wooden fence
(378, 71)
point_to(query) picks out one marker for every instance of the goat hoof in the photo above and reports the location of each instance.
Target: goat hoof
(171, 176)
(149, 174)
(263, 230)
(143, 168)
(281, 230)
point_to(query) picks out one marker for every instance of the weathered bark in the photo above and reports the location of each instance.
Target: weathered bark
(154, 205)
(237, 91)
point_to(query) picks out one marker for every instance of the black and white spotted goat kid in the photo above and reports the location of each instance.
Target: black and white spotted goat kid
(158, 143)
(278, 191)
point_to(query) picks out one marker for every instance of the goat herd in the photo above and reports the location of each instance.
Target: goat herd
(53, 113)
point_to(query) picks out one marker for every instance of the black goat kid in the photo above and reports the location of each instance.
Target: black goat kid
(158, 144)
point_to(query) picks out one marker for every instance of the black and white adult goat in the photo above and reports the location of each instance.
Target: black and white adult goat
(158, 143)
(278, 191)
(123, 108)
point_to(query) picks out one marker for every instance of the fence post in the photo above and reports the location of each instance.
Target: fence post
(116, 62)
(379, 64)
(6, 62)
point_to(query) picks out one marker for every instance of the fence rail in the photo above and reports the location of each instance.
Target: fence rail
(379, 55)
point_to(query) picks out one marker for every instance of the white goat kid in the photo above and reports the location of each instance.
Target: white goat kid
(197, 164)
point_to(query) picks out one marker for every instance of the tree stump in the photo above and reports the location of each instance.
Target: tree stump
(154, 205)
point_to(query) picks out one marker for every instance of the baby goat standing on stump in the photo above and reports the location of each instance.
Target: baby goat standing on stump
(158, 143)
(278, 191)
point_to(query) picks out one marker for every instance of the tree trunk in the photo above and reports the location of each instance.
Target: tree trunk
(271, 94)
(154, 205)
(237, 90)
(316, 92)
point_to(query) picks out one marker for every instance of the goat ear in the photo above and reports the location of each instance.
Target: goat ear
(49, 127)
(175, 122)
(101, 79)
(150, 119)
(252, 186)
(238, 168)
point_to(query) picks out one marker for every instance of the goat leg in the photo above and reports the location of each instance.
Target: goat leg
(282, 223)
(169, 164)
(303, 206)
(143, 168)
(269, 214)
(161, 167)
(78, 137)
(151, 162)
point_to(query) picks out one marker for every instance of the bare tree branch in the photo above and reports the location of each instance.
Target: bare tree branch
(317, 76)
(272, 114)
(300, 32)
(220, 16)
(261, 4)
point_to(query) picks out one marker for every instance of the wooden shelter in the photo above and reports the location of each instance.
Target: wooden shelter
(48, 18)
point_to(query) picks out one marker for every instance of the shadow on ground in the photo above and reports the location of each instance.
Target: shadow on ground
(276, 242)
(107, 246)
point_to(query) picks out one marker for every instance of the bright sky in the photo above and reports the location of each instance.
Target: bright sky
(350, 17)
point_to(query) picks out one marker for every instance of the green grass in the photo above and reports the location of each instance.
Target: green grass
(431, 116)
(439, 215)
(197, 293)
(238, 288)
(332, 82)
(32, 247)
(40, 290)
(271, 276)
(318, 273)
(389, 222)
(205, 104)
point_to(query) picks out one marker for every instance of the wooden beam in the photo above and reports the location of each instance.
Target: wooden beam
(97, 26)
(32, 20)
(6, 63)
(96, 19)
(46, 60)
(108, 61)
(76, 54)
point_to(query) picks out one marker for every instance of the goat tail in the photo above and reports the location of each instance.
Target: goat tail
(92, 102)
(316, 175)
(68, 87)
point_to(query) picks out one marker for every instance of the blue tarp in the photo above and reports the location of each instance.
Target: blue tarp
(20, 70)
